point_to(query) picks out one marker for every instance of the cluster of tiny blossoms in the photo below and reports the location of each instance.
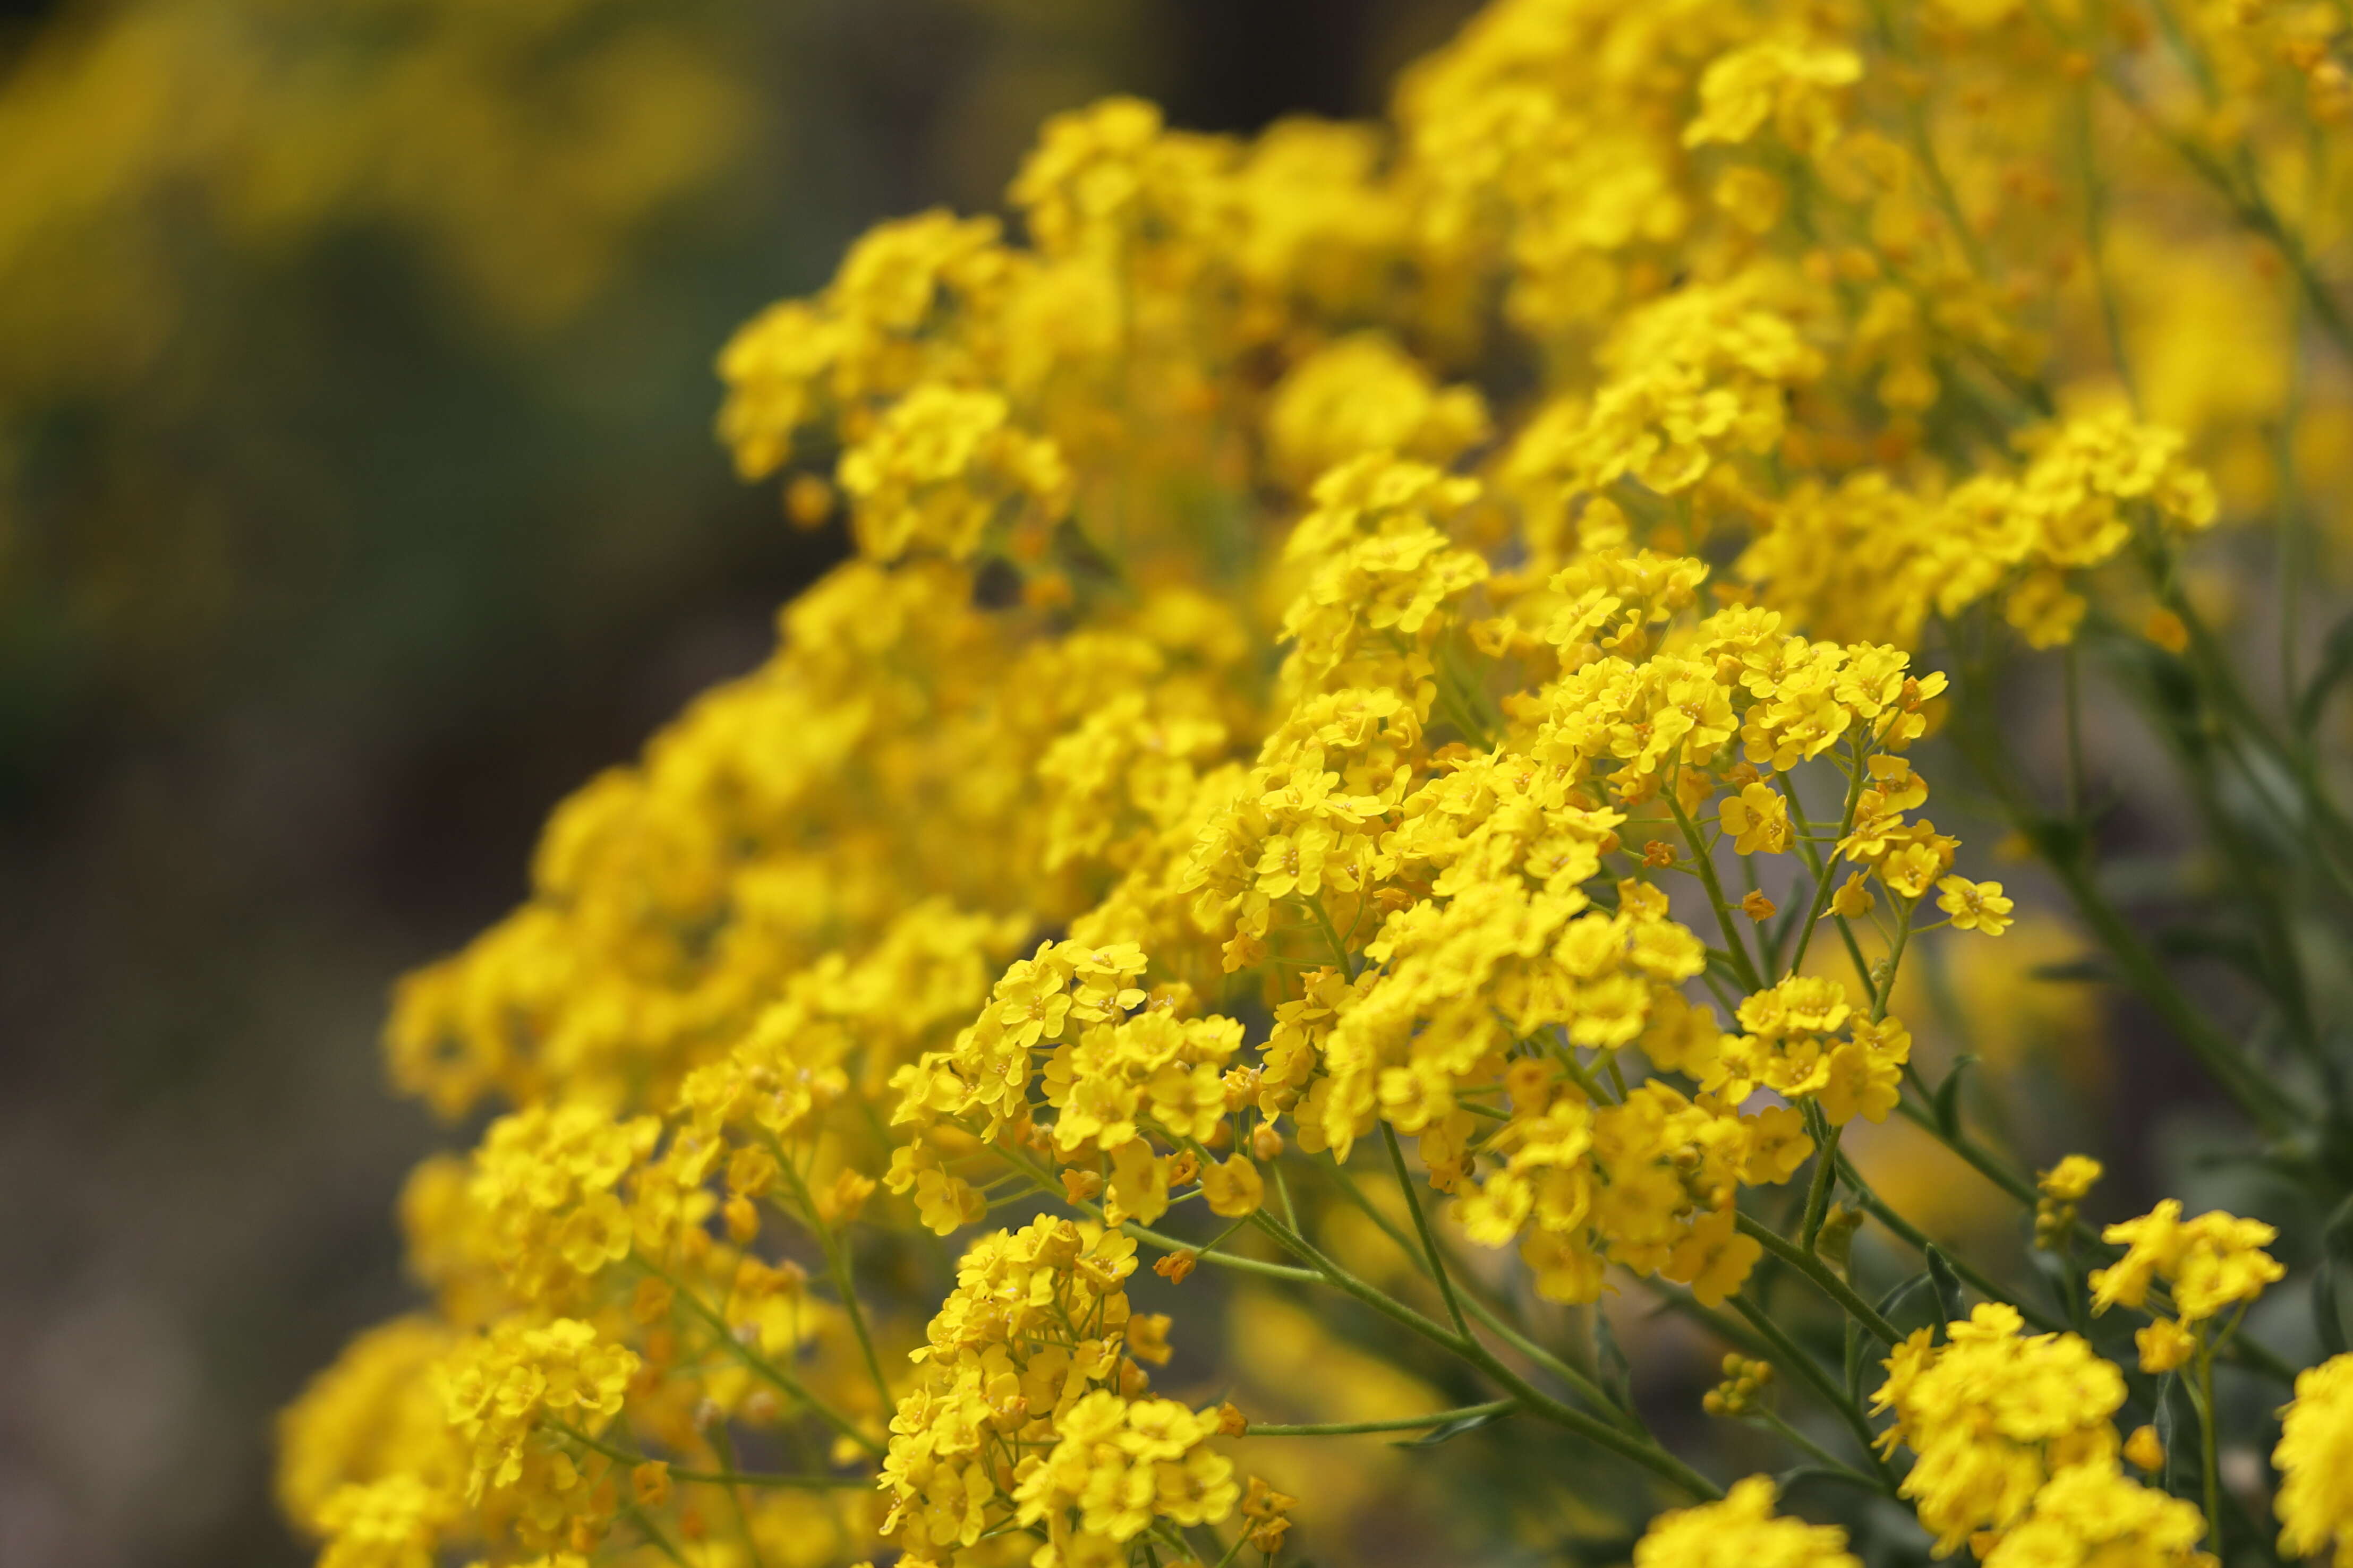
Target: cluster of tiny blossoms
(1369, 654)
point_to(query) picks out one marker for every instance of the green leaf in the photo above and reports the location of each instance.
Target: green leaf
(1948, 1103)
(1617, 1377)
(1910, 1300)
(2336, 663)
(1948, 1284)
(1446, 1432)
(1906, 1297)
(1804, 1473)
(2329, 1279)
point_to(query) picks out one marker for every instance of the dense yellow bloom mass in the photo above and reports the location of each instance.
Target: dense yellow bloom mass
(1382, 693)
(1993, 1415)
(2315, 1461)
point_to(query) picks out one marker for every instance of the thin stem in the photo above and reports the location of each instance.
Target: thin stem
(727, 1478)
(1821, 867)
(1421, 1227)
(1792, 1357)
(758, 1362)
(1915, 1238)
(839, 1264)
(1647, 1454)
(1206, 1253)
(1704, 863)
(2203, 1389)
(1829, 1284)
(1885, 991)
(652, 1532)
(1822, 1455)
(2095, 247)
(2263, 1102)
(1399, 1424)
(1818, 1194)
(1493, 1321)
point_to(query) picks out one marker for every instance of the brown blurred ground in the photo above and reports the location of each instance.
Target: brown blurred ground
(304, 628)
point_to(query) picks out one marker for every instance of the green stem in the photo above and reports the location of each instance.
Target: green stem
(1647, 1454)
(1791, 1357)
(1705, 864)
(758, 1362)
(837, 1264)
(1815, 1269)
(727, 1478)
(1918, 1240)
(1822, 867)
(1823, 1456)
(2203, 1390)
(1421, 1229)
(1400, 1424)
(1818, 1194)
(1885, 991)
(2265, 1104)
(1206, 1253)
(1489, 1319)
(653, 1532)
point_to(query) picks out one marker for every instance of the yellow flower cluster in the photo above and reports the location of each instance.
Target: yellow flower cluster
(504, 1394)
(1029, 1411)
(1993, 1415)
(1868, 560)
(1806, 1042)
(1422, 636)
(2211, 1264)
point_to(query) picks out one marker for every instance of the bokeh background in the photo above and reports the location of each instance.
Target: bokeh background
(358, 499)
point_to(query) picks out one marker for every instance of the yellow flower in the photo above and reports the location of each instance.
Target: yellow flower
(1233, 1187)
(1758, 820)
(1853, 900)
(1713, 1258)
(1974, 906)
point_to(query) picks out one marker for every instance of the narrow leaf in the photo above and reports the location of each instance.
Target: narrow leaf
(1948, 1097)
(1446, 1432)
(1948, 1284)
